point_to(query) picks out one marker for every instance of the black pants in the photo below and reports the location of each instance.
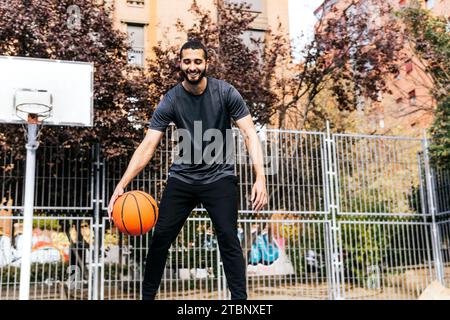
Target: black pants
(178, 200)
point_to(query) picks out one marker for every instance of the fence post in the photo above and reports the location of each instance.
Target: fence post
(334, 229)
(219, 273)
(96, 167)
(436, 242)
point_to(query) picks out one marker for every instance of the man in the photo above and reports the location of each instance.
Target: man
(196, 105)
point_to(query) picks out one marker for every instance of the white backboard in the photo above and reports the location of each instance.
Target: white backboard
(70, 84)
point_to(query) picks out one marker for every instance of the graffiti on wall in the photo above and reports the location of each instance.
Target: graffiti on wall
(48, 246)
(266, 254)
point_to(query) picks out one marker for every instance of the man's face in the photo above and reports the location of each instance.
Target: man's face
(193, 65)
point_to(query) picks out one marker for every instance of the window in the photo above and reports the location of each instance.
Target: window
(408, 66)
(328, 4)
(255, 5)
(318, 13)
(412, 97)
(136, 39)
(257, 35)
(140, 3)
(429, 4)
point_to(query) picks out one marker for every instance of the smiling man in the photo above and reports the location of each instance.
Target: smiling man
(199, 105)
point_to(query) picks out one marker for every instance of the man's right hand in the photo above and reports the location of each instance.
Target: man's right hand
(117, 193)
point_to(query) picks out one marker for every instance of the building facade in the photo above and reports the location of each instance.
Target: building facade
(408, 109)
(150, 22)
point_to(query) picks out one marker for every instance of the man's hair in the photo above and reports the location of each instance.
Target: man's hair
(194, 44)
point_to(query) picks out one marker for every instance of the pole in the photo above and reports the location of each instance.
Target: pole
(97, 285)
(436, 241)
(335, 252)
(31, 147)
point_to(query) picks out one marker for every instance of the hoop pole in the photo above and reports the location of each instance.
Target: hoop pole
(31, 146)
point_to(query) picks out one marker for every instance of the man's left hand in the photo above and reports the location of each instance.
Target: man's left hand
(259, 194)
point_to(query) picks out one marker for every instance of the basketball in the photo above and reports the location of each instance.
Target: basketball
(135, 213)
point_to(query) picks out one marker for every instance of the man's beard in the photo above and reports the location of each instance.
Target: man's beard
(193, 82)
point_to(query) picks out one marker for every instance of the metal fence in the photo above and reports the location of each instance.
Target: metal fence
(61, 258)
(349, 217)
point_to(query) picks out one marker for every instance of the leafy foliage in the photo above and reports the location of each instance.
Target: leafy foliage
(51, 29)
(428, 36)
(249, 70)
(355, 46)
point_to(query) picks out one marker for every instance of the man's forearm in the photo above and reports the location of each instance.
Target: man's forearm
(138, 162)
(256, 154)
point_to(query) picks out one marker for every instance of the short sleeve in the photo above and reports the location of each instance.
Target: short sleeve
(236, 105)
(163, 115)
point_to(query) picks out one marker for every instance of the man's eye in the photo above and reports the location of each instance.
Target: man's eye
(198, 61)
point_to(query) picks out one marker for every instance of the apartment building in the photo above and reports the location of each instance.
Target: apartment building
(148, 22)
(409, 108)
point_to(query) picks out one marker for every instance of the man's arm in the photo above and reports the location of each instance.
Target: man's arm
(259, 192)
(141, 156)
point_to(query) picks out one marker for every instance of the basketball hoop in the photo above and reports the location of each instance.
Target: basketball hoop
(32, 105)
(33, 113)
(31, 92)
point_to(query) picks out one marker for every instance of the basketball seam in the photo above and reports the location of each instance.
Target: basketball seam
(151, 203)
(154, 209)
(121, 212)
(139, 212)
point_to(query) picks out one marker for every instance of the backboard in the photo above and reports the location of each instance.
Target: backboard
(66, 85)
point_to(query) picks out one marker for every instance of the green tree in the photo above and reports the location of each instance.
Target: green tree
(429, 38)
(440, 130)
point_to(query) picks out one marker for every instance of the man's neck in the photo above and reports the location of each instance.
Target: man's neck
(196, 89)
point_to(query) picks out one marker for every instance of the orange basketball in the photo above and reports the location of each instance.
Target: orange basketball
(135, 213)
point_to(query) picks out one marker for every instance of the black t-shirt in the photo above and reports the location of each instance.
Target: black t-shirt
(215, 107)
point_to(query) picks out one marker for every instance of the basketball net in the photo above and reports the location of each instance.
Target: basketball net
(33, 105)
(33, 118)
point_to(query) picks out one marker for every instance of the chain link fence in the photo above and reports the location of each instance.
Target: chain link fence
(348, 217)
